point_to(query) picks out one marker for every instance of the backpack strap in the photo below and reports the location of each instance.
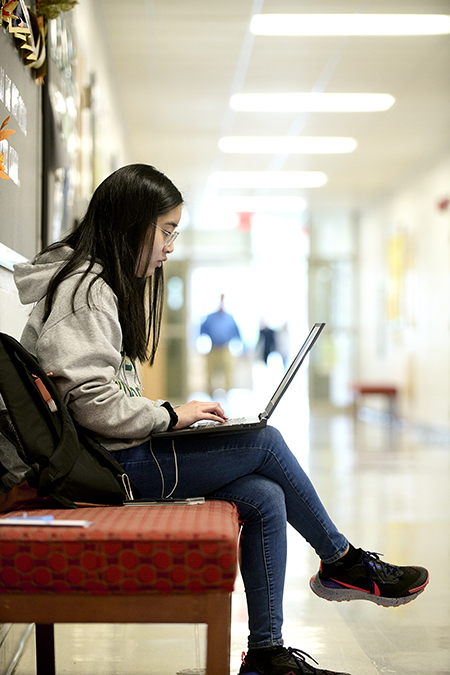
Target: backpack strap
(48, 438)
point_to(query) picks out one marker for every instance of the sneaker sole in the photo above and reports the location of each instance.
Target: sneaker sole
(348, 594)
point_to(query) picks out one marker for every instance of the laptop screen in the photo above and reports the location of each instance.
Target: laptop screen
(295, 365)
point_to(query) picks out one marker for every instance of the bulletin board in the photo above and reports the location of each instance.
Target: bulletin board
(20, 196)
(61, 103)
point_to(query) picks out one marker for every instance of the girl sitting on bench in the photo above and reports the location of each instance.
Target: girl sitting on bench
(98, 298)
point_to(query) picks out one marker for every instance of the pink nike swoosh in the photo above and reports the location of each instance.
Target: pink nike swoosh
(356, 588)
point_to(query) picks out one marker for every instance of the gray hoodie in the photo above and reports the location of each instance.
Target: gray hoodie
(83, 350)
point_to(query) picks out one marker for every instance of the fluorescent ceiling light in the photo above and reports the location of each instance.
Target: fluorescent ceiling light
(256, 204)
(350, 24)
(268, 179)
(311, 102)
(292, 145)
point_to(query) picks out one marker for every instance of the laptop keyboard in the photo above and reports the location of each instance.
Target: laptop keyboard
(212, 423)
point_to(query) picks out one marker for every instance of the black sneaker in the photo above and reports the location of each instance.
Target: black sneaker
(369, 579)
(284, 662)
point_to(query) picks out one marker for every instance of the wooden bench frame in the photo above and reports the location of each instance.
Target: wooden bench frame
(46, 609)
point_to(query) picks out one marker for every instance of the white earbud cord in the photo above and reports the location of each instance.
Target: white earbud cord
(161, 473)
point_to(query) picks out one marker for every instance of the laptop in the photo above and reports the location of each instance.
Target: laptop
(240, 424)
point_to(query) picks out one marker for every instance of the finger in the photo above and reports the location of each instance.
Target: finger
(218, 408)
(220, 418)
(215, 418)
(219, 411)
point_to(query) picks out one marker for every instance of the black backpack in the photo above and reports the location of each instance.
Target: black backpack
(42, 444)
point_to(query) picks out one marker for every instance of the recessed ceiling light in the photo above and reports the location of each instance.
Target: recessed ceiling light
(350, 24)
(293, 145)
(311, 102)
(251, 204)
(267, 179)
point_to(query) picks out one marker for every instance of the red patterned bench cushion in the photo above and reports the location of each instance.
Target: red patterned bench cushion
(150, 549)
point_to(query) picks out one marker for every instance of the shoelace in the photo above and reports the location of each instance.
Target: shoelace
(373, 564)
(298, 656)
(301, 654)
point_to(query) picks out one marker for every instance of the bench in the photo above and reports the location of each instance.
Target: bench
(388, 391)
(137, 564)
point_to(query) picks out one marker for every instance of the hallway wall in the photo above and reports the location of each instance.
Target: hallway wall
(403, 315)
(100, 127)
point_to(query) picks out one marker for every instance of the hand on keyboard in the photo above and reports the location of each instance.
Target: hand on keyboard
(199, 411)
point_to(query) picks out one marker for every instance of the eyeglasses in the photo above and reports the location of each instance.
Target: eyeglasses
(171, 236)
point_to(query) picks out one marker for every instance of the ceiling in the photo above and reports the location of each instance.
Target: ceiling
(176, 63)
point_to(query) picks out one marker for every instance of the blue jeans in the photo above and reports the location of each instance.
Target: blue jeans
(257, 471)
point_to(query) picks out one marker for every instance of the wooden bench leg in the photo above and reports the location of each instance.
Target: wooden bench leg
(45, 649)
(219, 635)
(393, 406)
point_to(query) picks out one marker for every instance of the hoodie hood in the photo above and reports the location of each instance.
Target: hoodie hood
(33, 277)
(80, 343)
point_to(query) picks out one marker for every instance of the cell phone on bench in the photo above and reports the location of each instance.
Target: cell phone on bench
(157, 502)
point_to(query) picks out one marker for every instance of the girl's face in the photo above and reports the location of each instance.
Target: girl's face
(164, 226)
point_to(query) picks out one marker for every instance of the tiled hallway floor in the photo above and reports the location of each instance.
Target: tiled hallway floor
(388, 491)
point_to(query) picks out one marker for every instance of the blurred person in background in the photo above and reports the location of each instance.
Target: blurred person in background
(266, 342)
(222, 329)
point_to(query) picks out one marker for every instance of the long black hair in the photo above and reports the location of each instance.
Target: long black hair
(112, 233)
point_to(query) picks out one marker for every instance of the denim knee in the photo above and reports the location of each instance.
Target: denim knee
(257, 498)
(273, 438)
